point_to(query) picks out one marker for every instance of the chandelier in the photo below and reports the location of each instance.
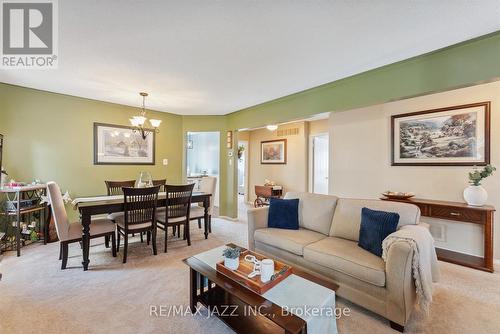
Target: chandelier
(138, 121)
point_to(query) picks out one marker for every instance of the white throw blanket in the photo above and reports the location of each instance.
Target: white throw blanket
(424, 263)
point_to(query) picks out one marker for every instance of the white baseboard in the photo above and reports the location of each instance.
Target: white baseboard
(228, 218)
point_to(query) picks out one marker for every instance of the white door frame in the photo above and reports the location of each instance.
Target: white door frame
(310, 180)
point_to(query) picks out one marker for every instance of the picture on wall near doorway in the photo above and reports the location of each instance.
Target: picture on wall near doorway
(273, 151)
(451, 136)
(121, 145)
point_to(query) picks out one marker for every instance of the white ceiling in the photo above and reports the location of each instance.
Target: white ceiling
(216, 57)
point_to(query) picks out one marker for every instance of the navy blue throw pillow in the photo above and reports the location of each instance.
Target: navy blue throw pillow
(375, 227)
(283, 213)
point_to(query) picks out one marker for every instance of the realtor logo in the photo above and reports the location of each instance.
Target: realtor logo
(29, 34)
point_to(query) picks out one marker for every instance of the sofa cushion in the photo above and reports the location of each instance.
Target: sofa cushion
(347, 217)
(346, 257)
(375, 227)
(283, 213)
(292, 241)
(315, 210)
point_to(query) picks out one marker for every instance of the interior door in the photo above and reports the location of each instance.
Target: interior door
(320, 164)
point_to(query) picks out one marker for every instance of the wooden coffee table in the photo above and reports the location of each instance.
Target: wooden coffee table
(240, 308)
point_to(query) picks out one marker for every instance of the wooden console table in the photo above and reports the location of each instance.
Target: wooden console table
(456, 211)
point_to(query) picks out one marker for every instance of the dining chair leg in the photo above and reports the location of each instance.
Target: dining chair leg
(148, 237)
(106, 241)
(153, 241)
(118, 241)
(64, 255)
(199, 222)
(179, 231)
(142, 240)
(125, 247)
(113, 244)
(60, 251)
(173, 230)
(166, 237)
(186, 231)
(210, 224)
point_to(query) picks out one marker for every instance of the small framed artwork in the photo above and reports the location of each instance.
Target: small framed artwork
(121, 145)
(452, 136)
(273, 151)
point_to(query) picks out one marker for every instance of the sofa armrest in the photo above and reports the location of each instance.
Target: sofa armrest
(401, 294)
(257, 218)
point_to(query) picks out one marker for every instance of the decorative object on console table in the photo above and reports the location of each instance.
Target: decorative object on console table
(398, 195)
(122, 145)
(475, 194)
(457, 211)
(451, 136)
(273, 152)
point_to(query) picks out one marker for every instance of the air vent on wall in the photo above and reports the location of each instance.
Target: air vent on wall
(288, 132)
(438, 231)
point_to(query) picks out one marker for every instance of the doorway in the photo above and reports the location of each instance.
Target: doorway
(318, 163)
(203, 157)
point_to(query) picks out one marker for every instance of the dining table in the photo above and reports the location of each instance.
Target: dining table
(98, 205)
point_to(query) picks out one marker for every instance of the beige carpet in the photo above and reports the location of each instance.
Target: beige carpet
(37, 297)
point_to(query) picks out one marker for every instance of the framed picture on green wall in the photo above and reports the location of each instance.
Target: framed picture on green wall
(122, 145)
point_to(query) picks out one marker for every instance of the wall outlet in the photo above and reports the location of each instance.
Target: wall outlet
(165, 162)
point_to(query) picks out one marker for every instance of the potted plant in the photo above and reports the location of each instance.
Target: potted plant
(475, 194)
(232, 257)
(241, 149)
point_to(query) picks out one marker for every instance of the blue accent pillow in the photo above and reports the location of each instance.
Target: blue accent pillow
(283, 213)
(375, 227)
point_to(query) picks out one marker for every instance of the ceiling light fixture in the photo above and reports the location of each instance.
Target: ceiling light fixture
(138, 121)
(272, 127)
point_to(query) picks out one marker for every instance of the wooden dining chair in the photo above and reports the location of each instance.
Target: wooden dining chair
(72, 232)
(139, 216)
(162, 183)
(115, 187)
(207, 184)
(178, 204)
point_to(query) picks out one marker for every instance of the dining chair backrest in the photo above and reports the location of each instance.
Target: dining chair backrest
(162, 183)
(115, 187)
(58, 211)
(208, 184)
(178, 201)
(140, 205)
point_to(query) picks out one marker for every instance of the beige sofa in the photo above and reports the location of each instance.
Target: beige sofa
(327, 244)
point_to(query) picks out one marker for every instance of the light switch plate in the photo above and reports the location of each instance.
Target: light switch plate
(165, 162)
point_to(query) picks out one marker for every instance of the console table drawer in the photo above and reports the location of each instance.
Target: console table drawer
(460, 214)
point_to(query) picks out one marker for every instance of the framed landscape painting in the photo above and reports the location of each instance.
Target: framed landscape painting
(121, 145)
(452, 136)
(273, 152)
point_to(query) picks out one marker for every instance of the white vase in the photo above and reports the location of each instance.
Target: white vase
(475, 195)
(232, 264)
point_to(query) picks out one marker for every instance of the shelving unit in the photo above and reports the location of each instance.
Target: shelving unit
(15, 197)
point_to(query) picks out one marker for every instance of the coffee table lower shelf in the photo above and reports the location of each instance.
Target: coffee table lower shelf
(239, 316)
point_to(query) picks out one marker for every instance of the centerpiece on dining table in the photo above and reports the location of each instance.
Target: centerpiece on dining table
(144, 180)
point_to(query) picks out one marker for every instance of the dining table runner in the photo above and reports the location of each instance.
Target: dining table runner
(80, 200)
(313, 303)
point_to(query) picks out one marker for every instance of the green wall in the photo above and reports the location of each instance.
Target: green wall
(50, 137)
(459, 65)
